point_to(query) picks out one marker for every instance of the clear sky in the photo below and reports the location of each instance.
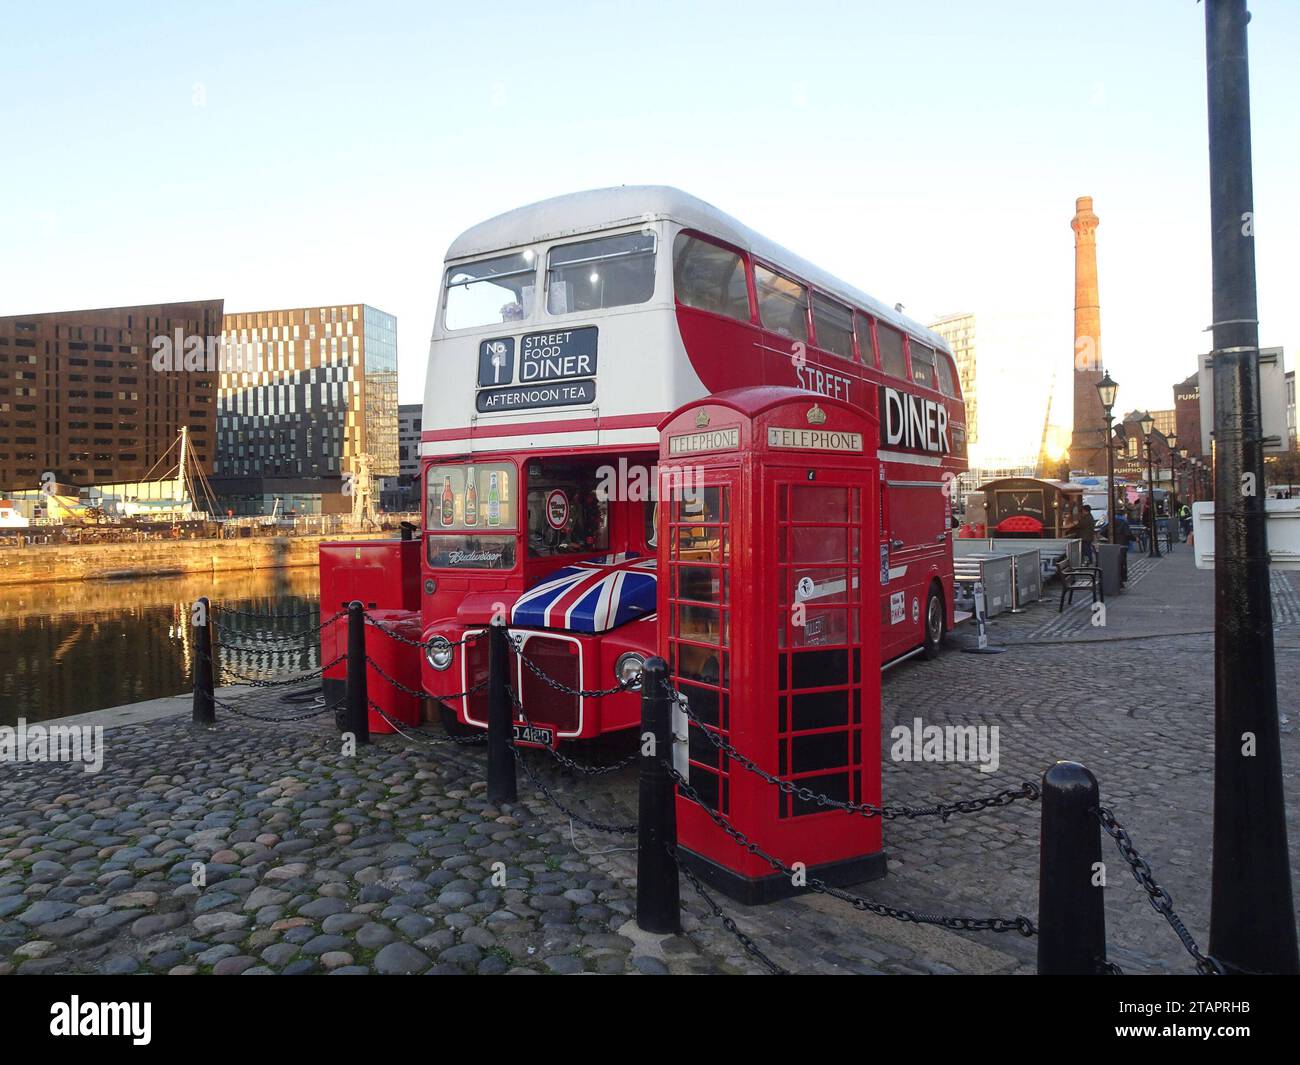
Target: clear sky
(929, 152)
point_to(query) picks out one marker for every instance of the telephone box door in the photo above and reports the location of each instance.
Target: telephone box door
(823, 561)
(701, 536)
(769, 592)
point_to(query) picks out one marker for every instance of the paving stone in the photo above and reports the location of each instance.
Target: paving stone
(398, 958)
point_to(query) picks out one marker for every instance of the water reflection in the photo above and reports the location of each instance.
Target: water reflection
(71, 647)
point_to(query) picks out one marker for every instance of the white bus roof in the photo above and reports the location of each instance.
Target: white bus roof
(596, 209)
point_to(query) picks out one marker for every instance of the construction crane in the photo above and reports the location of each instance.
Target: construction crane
(1045, 460)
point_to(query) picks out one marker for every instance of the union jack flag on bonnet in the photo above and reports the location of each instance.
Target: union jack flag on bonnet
(592, 596)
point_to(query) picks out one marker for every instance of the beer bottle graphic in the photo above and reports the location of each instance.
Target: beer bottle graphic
(494, 501)
(448, 502)
(471, 497)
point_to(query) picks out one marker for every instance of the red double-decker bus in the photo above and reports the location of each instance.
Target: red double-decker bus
(567, 332)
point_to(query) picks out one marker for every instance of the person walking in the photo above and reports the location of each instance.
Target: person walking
(1086, 530)
(1123, 534)
(1185, 520)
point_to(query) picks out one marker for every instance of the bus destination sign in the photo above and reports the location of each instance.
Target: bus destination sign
(525, 397)
(557, 355)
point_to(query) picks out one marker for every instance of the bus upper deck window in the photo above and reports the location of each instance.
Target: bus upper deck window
(891, 351)
(866, 346)
(922, 364)
(710, 278)
(491, 291)
(833, 323)
(947, 377)
(782, 304)
(606, 272)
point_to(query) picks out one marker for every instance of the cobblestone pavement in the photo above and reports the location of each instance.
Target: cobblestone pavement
(383, 862)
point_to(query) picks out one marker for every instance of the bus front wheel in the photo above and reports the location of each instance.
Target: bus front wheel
(934, 624)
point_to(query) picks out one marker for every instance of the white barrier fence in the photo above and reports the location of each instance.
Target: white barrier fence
(1283, 531)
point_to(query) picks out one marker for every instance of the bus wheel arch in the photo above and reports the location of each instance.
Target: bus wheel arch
(936, 621)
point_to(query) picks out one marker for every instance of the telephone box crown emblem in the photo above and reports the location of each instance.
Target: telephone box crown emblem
(816, 416)
(701, 419)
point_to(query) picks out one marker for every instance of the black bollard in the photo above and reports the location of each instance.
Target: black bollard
(357, 718)
(658, 898)
(205, 704)
(1071, 909)
(501, 759)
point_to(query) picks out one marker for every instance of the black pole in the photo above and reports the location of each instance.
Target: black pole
(1110, 477)
(204, 711)
(1153, 549)
(501, 759)
(357, 719)
(658, 899)
(1071, 903)
(1252, 916)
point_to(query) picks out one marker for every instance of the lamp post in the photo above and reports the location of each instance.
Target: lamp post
(1107, 390)
(1172, 441)
(1153, 549)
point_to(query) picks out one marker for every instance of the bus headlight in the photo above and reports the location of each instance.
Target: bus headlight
(627, 669)
(439, 653)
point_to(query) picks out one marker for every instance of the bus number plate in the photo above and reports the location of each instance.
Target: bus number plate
(534, 736)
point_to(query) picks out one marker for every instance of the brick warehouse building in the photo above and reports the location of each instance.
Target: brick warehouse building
(80, 400)
(312, 390)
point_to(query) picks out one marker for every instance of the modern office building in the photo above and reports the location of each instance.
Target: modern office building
(406, 492)
(1166, 421)
(304, 395)
(959, 331)
(86, 399)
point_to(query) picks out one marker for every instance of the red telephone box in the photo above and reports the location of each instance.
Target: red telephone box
(768, 607)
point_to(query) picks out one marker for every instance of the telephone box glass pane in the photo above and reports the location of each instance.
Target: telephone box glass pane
(705, 624)
(815, 502)
(702, 544)
(827, 544)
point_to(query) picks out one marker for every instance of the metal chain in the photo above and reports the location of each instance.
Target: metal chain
(621, 830)
(427, 741)
(423, 644)
(942, 810)
(1161, 901)
(751, 948)
(559, 686)
(287, 719)
(262, 682)
(309, 613)
(1020, 924)
(266, 652)
(564, 760)
(421, 694)
(281, 637)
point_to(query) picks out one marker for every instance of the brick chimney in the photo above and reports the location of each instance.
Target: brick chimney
(1087, 440)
